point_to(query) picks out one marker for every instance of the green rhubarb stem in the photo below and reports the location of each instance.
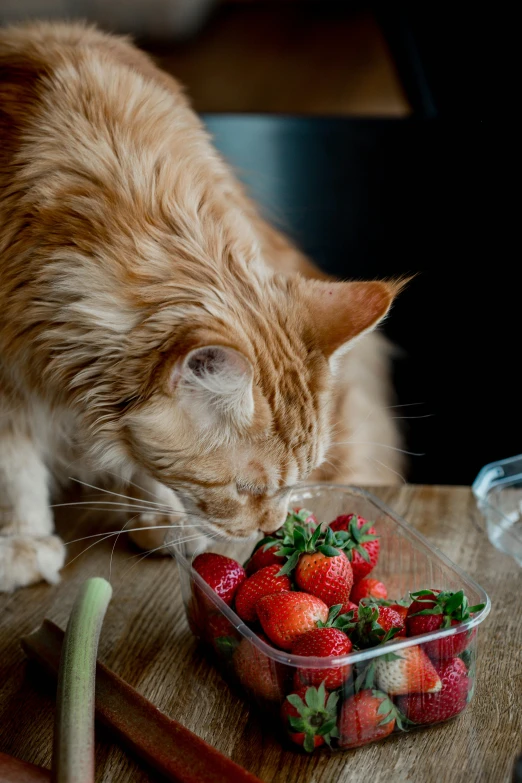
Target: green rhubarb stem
(73, 738)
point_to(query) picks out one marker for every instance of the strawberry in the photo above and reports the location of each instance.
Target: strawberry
(399, 606)
(310, 716)
(261, 676)
(434, 609)
(326, 576)
(223, 574)
(285, 616)
(361, 543)
(409, 670)
(368, 588)
(402, 611)
(221, 634)
(372, 625)
(323, 642)
(264, 555)
(263, 582)
(367, 716)
(349, 606)
(449, 701)
(320, 568)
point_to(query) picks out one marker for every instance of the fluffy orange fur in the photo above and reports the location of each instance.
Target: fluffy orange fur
(152, 324)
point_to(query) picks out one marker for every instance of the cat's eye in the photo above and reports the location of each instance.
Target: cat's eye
(246, 488)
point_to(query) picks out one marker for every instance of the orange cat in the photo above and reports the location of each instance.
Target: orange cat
(152, 325)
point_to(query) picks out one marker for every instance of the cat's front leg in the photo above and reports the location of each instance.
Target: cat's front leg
(29, 552)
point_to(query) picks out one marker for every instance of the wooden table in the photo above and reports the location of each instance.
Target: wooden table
(145, 639)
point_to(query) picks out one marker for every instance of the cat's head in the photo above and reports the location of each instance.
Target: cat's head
(238, 410)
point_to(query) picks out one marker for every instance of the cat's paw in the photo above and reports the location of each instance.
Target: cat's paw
(25, 560)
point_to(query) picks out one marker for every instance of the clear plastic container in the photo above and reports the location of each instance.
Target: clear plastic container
(498, 492)
(265, 675)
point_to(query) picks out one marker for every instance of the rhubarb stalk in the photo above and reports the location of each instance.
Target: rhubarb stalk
(73, 737)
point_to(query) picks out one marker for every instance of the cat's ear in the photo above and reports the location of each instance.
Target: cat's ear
(213, 383)
(342, 312)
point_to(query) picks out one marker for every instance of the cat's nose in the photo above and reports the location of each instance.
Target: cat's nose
(272, 521)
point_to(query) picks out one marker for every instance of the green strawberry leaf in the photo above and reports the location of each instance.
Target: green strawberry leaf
(437, 609)
(329, 551)
(332, 614)
(476, 608)
(315, 536)
(454, 602)
(289, 565)
(225, 645)
(297, 702)
(312, 697)
(327, 727)
(300, 538)
(390, 657)
(363, 553)
(309, 743)
(342, 536)
(283, 551)
(365, 528)
(422, 593)
(298, 724)
(365, 677)
(331, 704)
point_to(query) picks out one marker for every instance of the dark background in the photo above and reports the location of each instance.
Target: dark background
(367, 132)
(378, 198)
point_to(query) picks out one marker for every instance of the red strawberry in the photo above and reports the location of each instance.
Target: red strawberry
(402, 610)
(323, 642)
(449, 701)
(310, 716)
(362, 544)
(264, 552)
(328, 577)
(261, 676)
(262, 582)
(367, 716)
(223, 574)
(372, 625)
(368, 588)
(263, 556)
(349, 606)
(320, 567)
(221, 634)
(434, 609)
(285, 616)
(407, 671)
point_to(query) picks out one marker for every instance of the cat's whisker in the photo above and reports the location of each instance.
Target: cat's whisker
(116, 541)
(403, 405)
(387, 468)
(133, 484)
(105, 535)
(107, 505)
(116, 494)
(376, 443)
(156, 549)
(404, 418)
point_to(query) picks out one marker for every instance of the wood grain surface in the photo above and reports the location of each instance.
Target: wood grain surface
(145, 639)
